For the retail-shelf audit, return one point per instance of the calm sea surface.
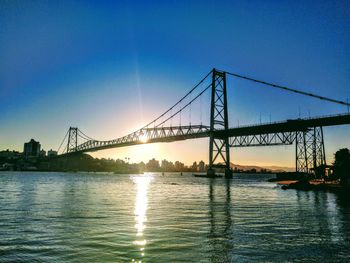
(87, 217)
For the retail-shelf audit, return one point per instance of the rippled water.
(85, 217)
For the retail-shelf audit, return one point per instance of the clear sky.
(108, 67)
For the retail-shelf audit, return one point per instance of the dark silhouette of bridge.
(306, 133)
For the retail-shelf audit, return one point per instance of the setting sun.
(143, 138)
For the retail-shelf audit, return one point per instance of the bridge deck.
(286, 126)
(178, 133)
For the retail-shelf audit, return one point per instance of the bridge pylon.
(310, 152)
(72, 139)
(219, 147)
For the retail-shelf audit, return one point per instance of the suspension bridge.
(305, 133)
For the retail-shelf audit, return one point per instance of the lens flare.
(143, 138)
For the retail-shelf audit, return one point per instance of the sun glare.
(143, 138)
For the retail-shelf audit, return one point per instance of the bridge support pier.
(219, 148)
(310, 152)
(72, 139)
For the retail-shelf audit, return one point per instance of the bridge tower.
(219, 148)
(72, 139)
(310, 152)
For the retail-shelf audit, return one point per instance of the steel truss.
(148, 135)
(310, 152)
(269, 139)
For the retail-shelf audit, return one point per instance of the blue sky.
(108, 67)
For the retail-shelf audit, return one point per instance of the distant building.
(167, 166)
(42, 153)
(201, 166)
(51, 153)
(9, 154)
(153, 165)
(179, 166)
(31, 149)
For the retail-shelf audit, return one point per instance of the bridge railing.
(281, 122)
(172, 133)
(148, 135)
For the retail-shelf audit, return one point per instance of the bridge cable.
(88, 137)
(59, 148)
(171, 120)
(200, 108)
(84, 138)
(180, 116)
(65, 148)
(289, 89)
(179, 111)
(190, 111)
(196, 86)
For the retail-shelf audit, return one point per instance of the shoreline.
(316, 184)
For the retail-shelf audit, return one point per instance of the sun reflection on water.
(142, 183)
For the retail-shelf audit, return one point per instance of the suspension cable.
(84, 138)
(188, 93)
(190, 111)
(199, 94)
(289, 89)
(59, 148)
(200, 108)
(87, 137)
(65, 148)
(180, 117)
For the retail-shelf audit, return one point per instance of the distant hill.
(280, 168)
(273, 168)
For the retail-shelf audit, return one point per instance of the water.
(86, 217)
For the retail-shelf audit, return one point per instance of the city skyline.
(17, 160)
(105, 71)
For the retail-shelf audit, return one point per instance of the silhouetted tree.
(342, 165)
(194, 167)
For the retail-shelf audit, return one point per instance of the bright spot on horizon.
(143, 138)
